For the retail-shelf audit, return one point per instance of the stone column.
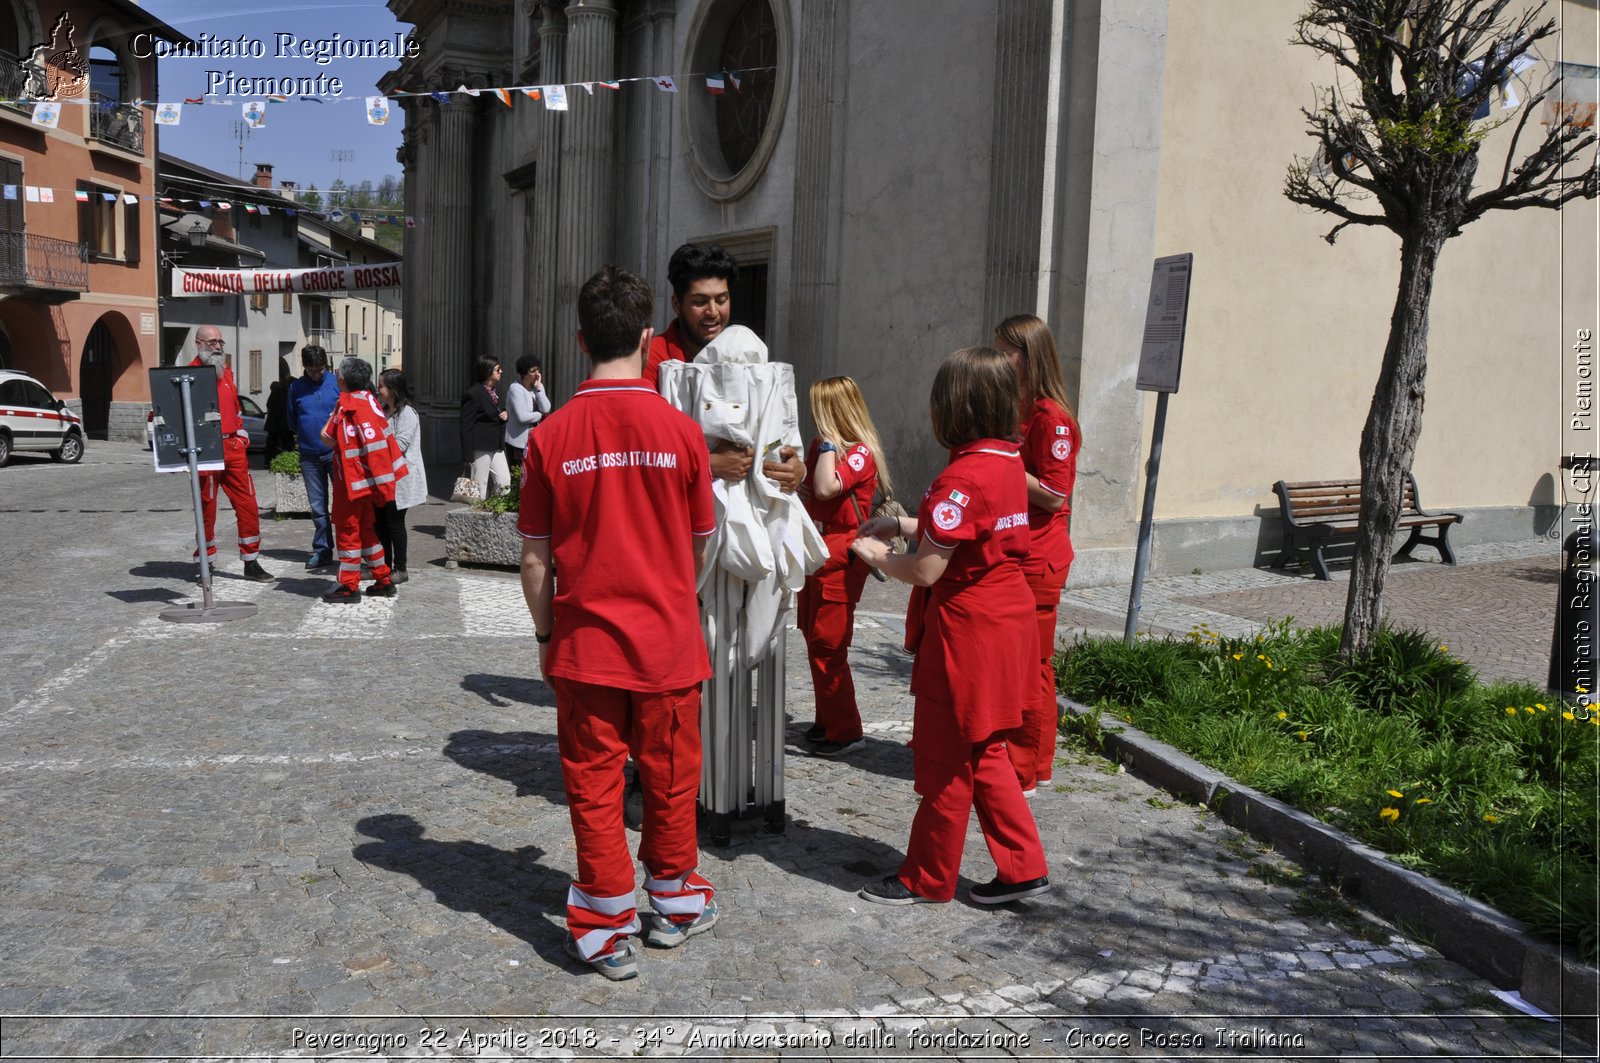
(543, 331)
(819, 178)
(449, 266)
(587, 185)
(1116, 56)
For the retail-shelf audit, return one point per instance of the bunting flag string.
(46, 194)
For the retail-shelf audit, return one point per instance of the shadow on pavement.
(183, 570)
(502, 690)
(305, 586)
(146, 596)
(527, 759)
(508, 887)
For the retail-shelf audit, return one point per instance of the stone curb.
(1480, 938)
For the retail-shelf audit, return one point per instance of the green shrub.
(286, 463)
(508, 500)
(1488, 786)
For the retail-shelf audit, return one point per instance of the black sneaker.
(890, 890)
(342, 594)
(254, 571)
(837, 749)
(996, 892)
(381, 590)
(815, 733)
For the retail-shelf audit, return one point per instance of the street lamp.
(197, 234)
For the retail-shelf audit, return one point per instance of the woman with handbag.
(1050, 443)
(971, 625)
(482, 418)
(844, 468)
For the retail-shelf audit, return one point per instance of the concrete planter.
(290, 494)
(478, 537)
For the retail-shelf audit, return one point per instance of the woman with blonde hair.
(1050, 443)
(970, 625)
(844, 469)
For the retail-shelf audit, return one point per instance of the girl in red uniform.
(1050, 443)
(971, 625)
(844, 467)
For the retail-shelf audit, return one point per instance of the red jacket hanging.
(367, 457)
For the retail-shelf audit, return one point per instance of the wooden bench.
(1318, 510)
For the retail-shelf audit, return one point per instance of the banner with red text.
(329, 281)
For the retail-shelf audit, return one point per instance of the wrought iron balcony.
(42, 263)
(13, 82)
(329, 340)
(118, 125)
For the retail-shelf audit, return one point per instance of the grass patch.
(1487, 786)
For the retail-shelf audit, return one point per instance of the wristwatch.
(541, 639)
(826, 448)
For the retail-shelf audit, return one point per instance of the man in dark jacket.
(311, 401)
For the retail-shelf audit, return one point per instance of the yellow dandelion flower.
(1303, 736)
(1238, 656)
(1510, 711)
(1394, 793)
(1444, 649)
(1389, 813)
(1424, 801)
(1528, 709)
(1568, 716)
(1541, 708)
(1284, 715)
(1261, 656)
(1491, 818)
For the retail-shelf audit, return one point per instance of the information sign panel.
(1166, 315)
(167, 436)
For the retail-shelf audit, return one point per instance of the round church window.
(733, 127)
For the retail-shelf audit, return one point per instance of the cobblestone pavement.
(337, 831)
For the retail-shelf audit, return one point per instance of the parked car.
(250, 412)
(33, 419)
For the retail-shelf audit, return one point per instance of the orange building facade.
(78, 254)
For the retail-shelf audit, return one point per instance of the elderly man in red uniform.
(235, 475)
(616, 500)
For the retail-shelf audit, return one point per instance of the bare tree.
(1397, 146)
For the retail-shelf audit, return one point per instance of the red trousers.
(1032, 746)
(235, 480)
(355, 536)
(597, 728)
(828, 628)
(952, 780)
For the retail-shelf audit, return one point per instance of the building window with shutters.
(288, 302)
(255, 371)
(258, 300)
(108, 225)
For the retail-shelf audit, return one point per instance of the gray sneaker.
(620, 964)
(665, 934)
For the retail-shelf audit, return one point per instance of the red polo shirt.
(977, 656)
(1050, 453)
(620, 484)
(841, 581)
(664, 347)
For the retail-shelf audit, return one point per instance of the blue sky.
(298, 137)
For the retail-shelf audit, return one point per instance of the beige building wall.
(1286, 334)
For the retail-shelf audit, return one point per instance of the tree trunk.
(1389, 440)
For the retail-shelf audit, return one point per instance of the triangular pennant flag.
(47, 113)
(129, 198)
(715, 85)
(555, 97)
(205, 204)
(224, 206)
(277, 99)
(250, 208)
(505, 96)
(168, 113)
(310, 99)
(442, 97)
(109, 197)
(733, 77)
(588, 86)
(81, 196)
(614, 86)
(255, 114)
(377, 110)
(532, 94)
(265, 209)
(666, 85)
(468, 91)
(194, 99)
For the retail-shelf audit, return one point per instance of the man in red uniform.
(367, 460)
(616, 498)
(702, 307)
(235, 475)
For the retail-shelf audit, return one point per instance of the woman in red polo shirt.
(844, 468)
(971, 625)
(1050, 443)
